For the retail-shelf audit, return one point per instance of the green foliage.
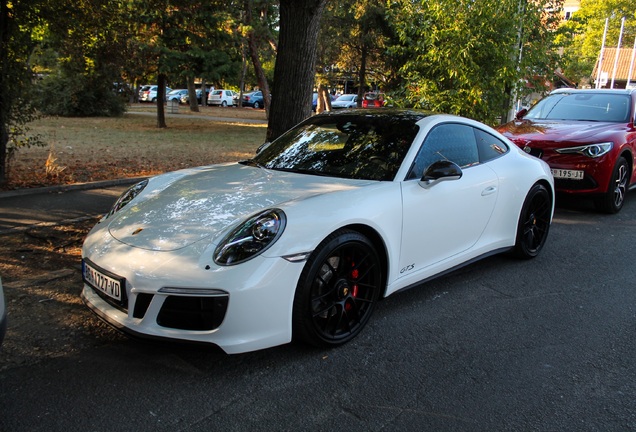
(463, 56)
(79, 96)
(582, 35)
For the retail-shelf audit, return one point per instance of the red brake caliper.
(354, 288)
(354, 275)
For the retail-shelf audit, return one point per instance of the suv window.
(599, 106)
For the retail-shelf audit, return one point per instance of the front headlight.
(590, 150)
(127, 197)
(251, 238)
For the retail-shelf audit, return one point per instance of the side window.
(489, 146)
(450, 141)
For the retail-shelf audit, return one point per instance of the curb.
(71, 187)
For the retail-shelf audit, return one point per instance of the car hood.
(178, 209)
(567, 132)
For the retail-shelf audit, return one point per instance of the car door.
(447, 218)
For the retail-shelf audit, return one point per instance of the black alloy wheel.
(534, 222)
(612, 201)
(337, 290)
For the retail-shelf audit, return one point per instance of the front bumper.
(239, 308)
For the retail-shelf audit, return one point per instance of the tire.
(337, 290)
(223, 104)
(153, 100)
(612, 201)
(534, 222)
(257, 105)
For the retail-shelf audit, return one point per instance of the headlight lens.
(590, 150)
(127, 197)
(251, 238)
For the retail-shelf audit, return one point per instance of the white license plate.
(106, 282)
(568, 174)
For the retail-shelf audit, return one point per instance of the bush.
(78, 96)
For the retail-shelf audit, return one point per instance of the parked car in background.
(588, 139)
(221, 98)
(177, 95)
(185, 99)
(150, 95)
(253, 99)
(143, 89)
(293, 244)
(345, 101)
(3, 314)
(373, 100)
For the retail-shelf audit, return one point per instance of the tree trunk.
(252, 44)
(192, 95)
(324, 100)
(295, 64)
(362, 76)
(5, 102)
(161, 96)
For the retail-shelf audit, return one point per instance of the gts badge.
(408, 268)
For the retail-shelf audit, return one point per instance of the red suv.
(587, 137)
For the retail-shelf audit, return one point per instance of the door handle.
(489, 190)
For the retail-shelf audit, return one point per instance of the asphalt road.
(502, 345)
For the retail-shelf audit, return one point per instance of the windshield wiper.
(252, 163)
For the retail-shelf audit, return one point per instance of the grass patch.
(90, 149)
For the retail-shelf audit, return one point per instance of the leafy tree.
(582, 35)
(354, 35)
(87, 39)
(260, 18)
(17, 19)
(464, 56)
(295, 64)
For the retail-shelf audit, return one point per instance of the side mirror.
(440, 171)
(521, 114)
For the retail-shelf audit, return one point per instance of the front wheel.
(612, 201)
(534, 222)
(337, 290)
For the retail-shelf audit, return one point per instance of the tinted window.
(451, 141)
(360, 147)
(489, 146)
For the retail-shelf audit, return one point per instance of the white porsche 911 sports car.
(301, 241)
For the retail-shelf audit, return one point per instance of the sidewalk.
(54, 205)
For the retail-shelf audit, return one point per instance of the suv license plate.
(567, 174)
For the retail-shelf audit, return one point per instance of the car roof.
(395, 113)
(612, 91)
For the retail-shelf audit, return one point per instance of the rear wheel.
(534, 222)
(612, 201)
(223, 104)
(257, 105)
(337, 290)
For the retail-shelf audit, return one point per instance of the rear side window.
(489, 146)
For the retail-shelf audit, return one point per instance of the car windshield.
(357, 147)
(604, 107)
